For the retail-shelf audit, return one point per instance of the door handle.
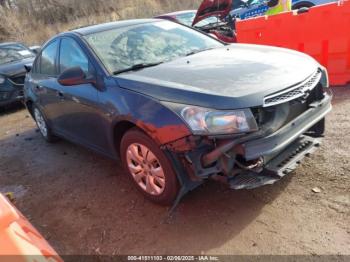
(60, 95)
(39, 88)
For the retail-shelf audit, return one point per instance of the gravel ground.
(84, 204)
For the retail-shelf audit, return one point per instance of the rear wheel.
(149, 168)
(42, 125)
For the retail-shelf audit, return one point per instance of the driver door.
(78, 118)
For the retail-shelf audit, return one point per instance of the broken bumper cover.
(279, 152)
(277, 168)
(270, 145)
(283, 150)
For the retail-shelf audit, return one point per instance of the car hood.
(218, 8)
(15, 68)
(234, 76)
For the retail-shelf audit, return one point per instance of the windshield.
(14, 52)
(123, 48)
(187, 19)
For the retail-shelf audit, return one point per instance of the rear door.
(43, 81)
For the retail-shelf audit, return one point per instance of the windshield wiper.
(197, 51)
(136, 67)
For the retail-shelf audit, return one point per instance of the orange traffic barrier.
(323, 32)
(19, 240)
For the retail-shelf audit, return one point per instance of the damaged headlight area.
(205, 121)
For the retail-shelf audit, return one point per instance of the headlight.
(206, 121)
(2, 80)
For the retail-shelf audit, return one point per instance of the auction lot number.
(172, 258)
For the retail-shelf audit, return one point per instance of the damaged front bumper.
(284, 163)
(267, 157)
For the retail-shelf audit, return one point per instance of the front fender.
(156, 120)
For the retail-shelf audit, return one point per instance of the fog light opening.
(255, 165)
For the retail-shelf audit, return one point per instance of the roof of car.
(10, 43)
(178, 13)
(112, 25)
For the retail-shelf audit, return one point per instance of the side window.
(36, 66)
(71, 55)
(48, 59)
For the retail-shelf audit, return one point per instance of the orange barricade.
(323, 32)
(19, 240)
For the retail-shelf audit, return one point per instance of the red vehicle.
(212, 17)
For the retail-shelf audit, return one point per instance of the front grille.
(274, 117)
(301, 90)
(18, 80)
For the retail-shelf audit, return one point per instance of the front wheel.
(318, 129)
(149, 168)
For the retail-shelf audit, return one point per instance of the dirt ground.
(84, 204)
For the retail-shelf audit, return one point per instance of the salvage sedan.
(178, 107)
(13, 58)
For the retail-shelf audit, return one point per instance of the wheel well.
(302, 4)
(119, 131)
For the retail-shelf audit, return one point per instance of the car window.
(48, 59)
(256, 2)
(71, 55)
(36, 66)
(162, 41)
(208, 21)
(186, 18)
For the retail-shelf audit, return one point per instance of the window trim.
(35, 65)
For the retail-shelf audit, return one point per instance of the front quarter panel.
(159, 122)
(29, 94)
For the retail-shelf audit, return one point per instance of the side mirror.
(74, 76)
(28, 68)
(35, 49)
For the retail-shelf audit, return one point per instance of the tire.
(43, 126)
(318, 129)
(149, 168)
(302, 5)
